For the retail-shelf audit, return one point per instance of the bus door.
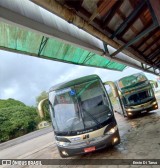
(114, 96)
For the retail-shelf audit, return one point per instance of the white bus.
(82, 116)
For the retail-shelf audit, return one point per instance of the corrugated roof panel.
(22, 40)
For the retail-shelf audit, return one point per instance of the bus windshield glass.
(79, 107)
(139, 97)
(131, 81)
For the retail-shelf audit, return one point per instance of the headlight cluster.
(154, 103)
(60, 143)
(112, 131)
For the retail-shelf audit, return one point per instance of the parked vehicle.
(82, 116)
(136, 95)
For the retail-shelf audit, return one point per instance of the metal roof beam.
(149, 67)
(128, 19)
(148, 37)
(156, 59)
(143, 9)
(143, 66)
(111, 13)
(154, 6)
(68, 15)
(104, 7)
(73, 4)
(42, 45)
(154, 54)
(151, 44)
(134, 40)
(158, 64)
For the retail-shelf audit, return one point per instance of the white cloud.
(9, 92)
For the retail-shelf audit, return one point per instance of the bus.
(136, 95)
(82, 116)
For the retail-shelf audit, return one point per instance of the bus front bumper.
(68, 151)
(144, 109)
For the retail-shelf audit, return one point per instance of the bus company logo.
(86, 136)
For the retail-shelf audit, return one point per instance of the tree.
(10, 102)
(16, 119)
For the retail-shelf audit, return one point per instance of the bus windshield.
(79, 107)
(131, 81)
(139, 97)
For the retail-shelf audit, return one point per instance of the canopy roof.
(28, 42)
(29, 29)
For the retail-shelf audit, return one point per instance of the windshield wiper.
(93, 118)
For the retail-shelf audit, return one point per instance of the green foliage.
(16, 119)
(10, 102)
(42, 96)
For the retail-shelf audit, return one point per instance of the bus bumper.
(136, 111)
(111, 140)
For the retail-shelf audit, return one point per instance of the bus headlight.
(60, 143)
(64, 153)
(129, 109)
(154, 103)
(112, 130)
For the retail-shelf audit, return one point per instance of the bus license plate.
(90, 149)
(144, 111)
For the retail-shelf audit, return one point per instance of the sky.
(24, 77)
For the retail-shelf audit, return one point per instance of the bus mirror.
(153, 83)
(156, 85)
(113, 87)
(40, 108)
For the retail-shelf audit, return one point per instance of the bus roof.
(130, 80)
(74, 82)
(135, 74)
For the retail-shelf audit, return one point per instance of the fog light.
(115, 140)
(155, 106)
(65, 153)
(129, 113)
